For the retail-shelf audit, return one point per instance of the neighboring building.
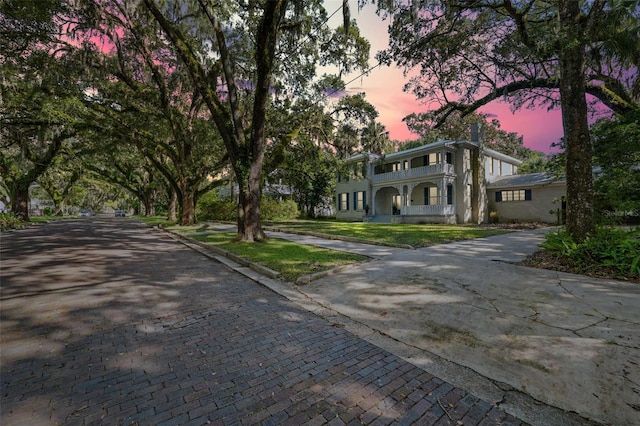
(535, 197)
(442, 182)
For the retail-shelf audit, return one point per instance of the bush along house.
(444, 182)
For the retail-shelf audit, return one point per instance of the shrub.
(9, 221)
(210, 207)
(494, 217)
(606, 249)
(278, 210)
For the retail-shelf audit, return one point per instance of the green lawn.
(42, 219)
(292, 260)
(413, 235)
(155, 220)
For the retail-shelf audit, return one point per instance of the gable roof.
(530, 179)
(488, 152)
(429, 147)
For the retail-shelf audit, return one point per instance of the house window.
(491, 169)
(343, 201)
(396, 167)
(449, 194)
(429, 159)
(449, 158)
(359, 200)
(514, 195)
(431, 196)
(396, 204)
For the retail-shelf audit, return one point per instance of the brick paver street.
(107, 322)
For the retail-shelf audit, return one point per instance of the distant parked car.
(86, 213)
(120, 213)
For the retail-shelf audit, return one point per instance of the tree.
(457, 127)
(59, 179)
(535, 162)
(310, 136)
(123, 165)
(238, 55)
(617, 154)
(375, 138)
(40, 113)
(144, 97)
(472, 52)
(299, 160)
(39, 106)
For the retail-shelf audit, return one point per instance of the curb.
(263, 270)
(306, 279)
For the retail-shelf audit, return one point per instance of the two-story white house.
(440, 182)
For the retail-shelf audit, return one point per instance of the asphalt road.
(105, 321)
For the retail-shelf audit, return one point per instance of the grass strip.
(291, 259)
(155, 220)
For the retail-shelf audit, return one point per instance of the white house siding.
(497, 165)
(538, 209)
(456, 170)
(352, 212)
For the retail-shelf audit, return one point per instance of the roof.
(488, 152)
(426, 147)
(530, 179)
(451, 144)
(403, 153)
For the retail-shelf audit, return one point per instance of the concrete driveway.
(569, 341)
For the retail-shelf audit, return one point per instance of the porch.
(418, 214)
(413, 173)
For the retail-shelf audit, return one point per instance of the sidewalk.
(513, 335)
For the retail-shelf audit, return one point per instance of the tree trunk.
(580, 220)
(188, 207)
(249, 222)
(149, 206)
(173, 202)
(20, 201)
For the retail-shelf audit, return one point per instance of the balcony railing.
(433, 210)
(415, 173)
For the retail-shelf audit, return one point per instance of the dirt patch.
(517, 226)
(445, 333)
(553, 262)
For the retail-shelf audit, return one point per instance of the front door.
(396, 204)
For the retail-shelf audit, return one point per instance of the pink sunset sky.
(383, 88)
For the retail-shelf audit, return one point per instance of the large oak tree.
(239, 56)
(39, 91)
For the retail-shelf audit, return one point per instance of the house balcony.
(432, 210)
(414, 173)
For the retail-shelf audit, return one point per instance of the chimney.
(476, 133)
